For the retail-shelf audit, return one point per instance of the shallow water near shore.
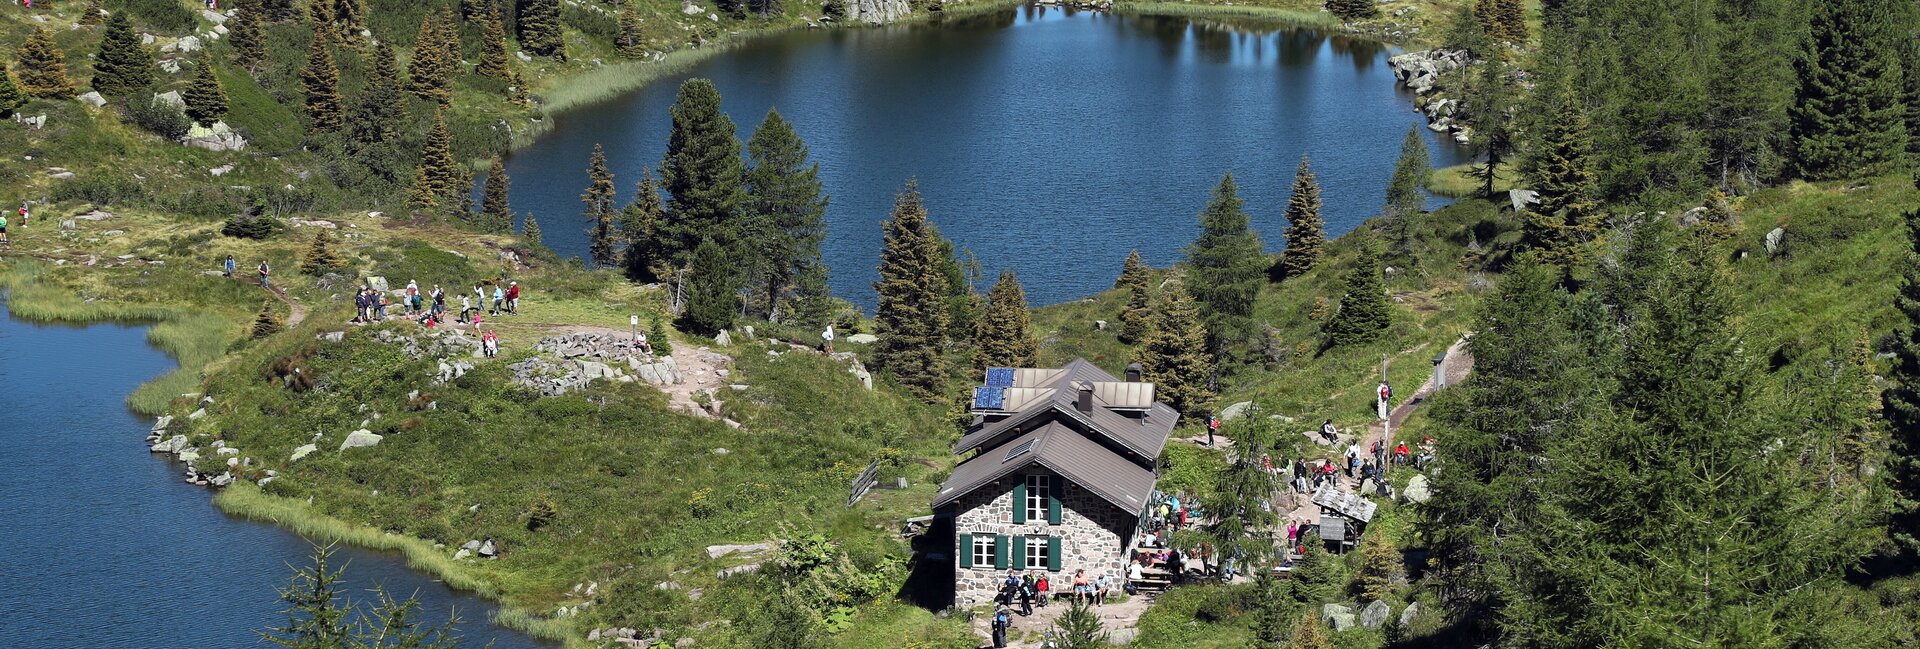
(103, 545)
(1045, 140)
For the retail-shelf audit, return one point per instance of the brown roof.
(1109, 475)
(1144, 436)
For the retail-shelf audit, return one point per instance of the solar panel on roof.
(1020, 450)
(999, 377)
(989, 398)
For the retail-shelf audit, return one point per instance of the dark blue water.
(103, 545)
(1047, 141)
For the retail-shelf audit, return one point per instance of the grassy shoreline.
(1294, 17)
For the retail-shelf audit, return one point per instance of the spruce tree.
(1489, 109)
(603, 243)
(317, 613)
(640, 224)
(321, 257)
(1079, 627)
(437, 177)
(430, 72)
(493, 48)
(496, 210)
(371, 137)
(1404, 197)
(278, 11)
(1364, 313)
(1242, 523)
(42, 70)
(713, 295)
(702, 172)
(813, 300)
(540, 28)
(1351, 10)
(630, 43)
(1173, 355)
(1751, 90)
(246, 35)
(1306, 233)
(123, 66)
(266, 324)
(206, 100)
(1560, 169)
(911, 317)
(657, 336)
(349, 17)
(320, 16)
(1512, 17)
(1316, 574)
(1226, 265)
(1137, 315)
(1004, 335)
(11, 99)
(320, 84)
(94, 14)
(530, 231)
(1380, 569)
(786, 208)
(1901, 401)
(1308, 634)
(1849, 120)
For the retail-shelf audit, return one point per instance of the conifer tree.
(1173, 355)
(1004, 335)
(493, 48)
(640, 224)
(371, 138)
(530, 231)
(245, 34)
(42, 70)
(1489, 109)
(1568, 214)
(1351, 10)
(1079, 627)
(1512, 17)
(812, 298)
(1226, 264)
(603, 240)
(1487, 14)
(349, 17)
(1901, 401)
(713, 296)
(1380, 570)
(1751, 90)
(123, 66)
(11, 99)
(496, 210)
(1404, 198)
(437, 177)
(911, 317)
(657, 336)
(206, 100)
(94, 14)
(1242, 522)
(630, 42)
(278, 11)
(321, 257)
(316, 615)
(1364, 313)
(1315, 575)
(320, 15)
(320, 83)
(1308, 634)
(1849, 119)
(786, 208)
(430, 72)
(266, 324)
(702, 172)
(1137, 315)
(1306, 232)
(540, 28)
(1274, 610)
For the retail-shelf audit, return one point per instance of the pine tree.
(1512, 17)
(496, 210)
(640, 224)
(540, 28)
(1308, 634)
(266, 324)
(1225, 264)
(630, 43)
(437, 177)
(713, 297)
(786, 207)
(123, 66)
(1381, 570)
(1850, 120)
(657, 336)
(911, 317)
(320, 83)
(1137, 315)
(1568, 215)
(246, 36)
(430, 72)
(350, 18)
(317, 615)
(1404, 198)
(371, 138)
(1901, 401)
(321, 257)
(603, 244)
(1306, 233)
(206, 100)
(530, 231)
(1242, 522)
(1364, 313)
(1004, 334)
(1079, 627)
(94, 14)
(702, 172)
(320, 15)
(1173, 355)
(42, 70)
(493, 48)
(11, 99)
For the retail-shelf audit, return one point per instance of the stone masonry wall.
(1093, 535)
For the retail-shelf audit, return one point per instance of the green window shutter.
(966, 550)
(1053, 554)
(1020, 502)
(1000, 551)
(1053, 508)
(1019, 557)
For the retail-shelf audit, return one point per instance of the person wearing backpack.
(264, 272)
(229, 266)
(1026, 594)
(1002, 620)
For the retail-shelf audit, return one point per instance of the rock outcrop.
(878, 12)
(218, 137)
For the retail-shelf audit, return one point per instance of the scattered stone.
(360, 438)
(197, 414)
(523, 57)
(717, 551)
(1412, 611)
(92, 98)
(36, 122)
(1235, 411)
(721, 451)
(161, 424)
(303, 451)
(862, 339)
(214, 17)
(176, 444)
(218, 137)
(1775, 237)
(723, 339)
(170, 99)
(332, 336)
(220, 170)
(1417, 490)
(170, 66)
(462, 554)
(94, 215)
(487, 550)
(747, 330)
(1375, 614)
(740, 570)
(115, 233)
(1100, 325)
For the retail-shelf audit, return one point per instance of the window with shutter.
(1039, 496)
(1053, 508)
(968, 551)
(1039, 553)
(1020, 503)
(1053, 553)
(1019, 555)
(1000, 552)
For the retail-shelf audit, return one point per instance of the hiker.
(641, 343)
(499, 297)
(1135, 573)
(1328, 432)
(23, 214)
(513, 297)
(228, 267)
(1026, 595)
(826, 340)
(3, 230)
(1041, 589)
(1002, 620)
(439, 300)
(1100, 586)
(466, 308)
(1213, 426)
(1082, 589)
(490, 344)
(479, 298)
(380, 305)
(1400, 453)
(264, 272)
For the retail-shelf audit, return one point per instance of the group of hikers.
(429, 307)
(3, 223)
(1030, 589)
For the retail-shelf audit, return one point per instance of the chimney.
(1133, 372)
(1085, 401)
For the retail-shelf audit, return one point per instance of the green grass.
(1459, 181)
(1291, 16)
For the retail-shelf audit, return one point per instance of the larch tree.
(1849, 119)
(1225, 266)
(639, 225)
(1308, 634)
(1004, 335)
(1901, 400)
(320, 84)
(11, 98)
(702, 172)
(603, 239)
(1173, 355)
(246, 36)
(206, 100)
(540, 32)
(1490, 110)
(1381, 569)
(437, 175)
(123, 66)
(1364, 313)
(713, 293)
(1306, 234)
(493, 48)
(911, 317)
(496, 211)
(430, 72)
(1137, 315)
(42, 69)
(786, 210)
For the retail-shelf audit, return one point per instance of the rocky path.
(704, 371)
(1117, 618)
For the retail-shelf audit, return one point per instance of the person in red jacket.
(513, 297)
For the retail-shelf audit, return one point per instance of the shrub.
(159, 15)
(103, 190)
(251, 225)
(157, 118)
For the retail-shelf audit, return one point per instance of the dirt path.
(1029, 631)
(701, 369)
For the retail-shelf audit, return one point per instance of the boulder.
(862, 339)
(1340, 622)
(196, 414)
(471, 545)
(487, 550)
(377, 283)
(214, 17)
(1235, 411)
(723, 339)
(878, 12)
(220, 170)
(170, 99)
(1775, 238)
(332, 336)
(174, 444)
(218, 137)
(1417, 490)
(740, 570)
(524, 58)
(1330, 610)
(1412, 611)
(187, 44)
(359, 439)
(162, 423)
(94, 215)
(93, 99)
(1375, 614)
(170, 66)
(747, 330)
(717, 551)
(462, 553)
(595, 370)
